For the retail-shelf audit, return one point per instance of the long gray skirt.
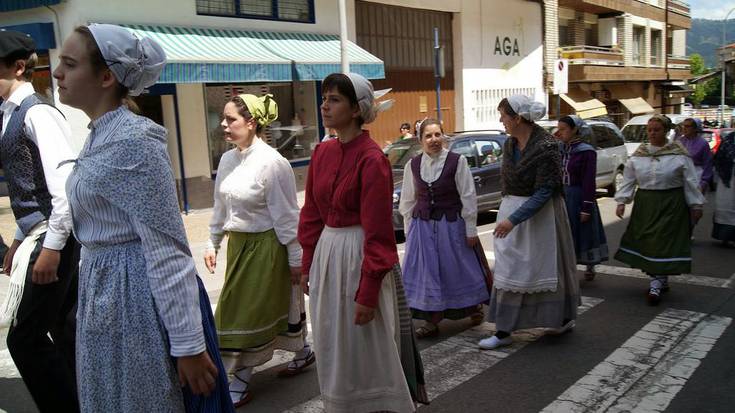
(512, 311)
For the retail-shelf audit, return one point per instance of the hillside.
(706, 35)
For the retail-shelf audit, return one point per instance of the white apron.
(525, 260)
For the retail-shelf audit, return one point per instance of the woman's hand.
(305, 283)
(620, 211)
(503, 228)
(695, 214)
(198, 372)
(473, 241)
(584, 217)
(363, 314)
(210, 260)
(295, 275)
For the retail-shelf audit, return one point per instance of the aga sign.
(506, 46)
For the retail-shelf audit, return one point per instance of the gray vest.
(30, 199)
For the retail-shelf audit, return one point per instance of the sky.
(711, 9)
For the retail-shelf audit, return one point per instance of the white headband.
(527, 108)
(135, 62)
(366, 97)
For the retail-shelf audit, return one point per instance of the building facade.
(220, 48)
(625, 57)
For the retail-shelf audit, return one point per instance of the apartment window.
(564, 36)
(638, 39)
(286, 10)
(656, 48)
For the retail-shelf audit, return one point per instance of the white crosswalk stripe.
(457, 359)
(649, 369)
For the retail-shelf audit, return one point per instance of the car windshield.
(635, 133)
(401, 152)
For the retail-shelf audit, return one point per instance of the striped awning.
(200, 55)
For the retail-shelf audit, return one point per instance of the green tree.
(696, 63)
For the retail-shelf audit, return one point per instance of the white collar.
(439, 156)
(15, 99)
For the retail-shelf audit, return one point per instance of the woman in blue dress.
(145, 331)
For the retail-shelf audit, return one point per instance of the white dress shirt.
(664, 172)
(48, 129)
(431, 169)
(255, 191)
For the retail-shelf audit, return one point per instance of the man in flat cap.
(43, 260)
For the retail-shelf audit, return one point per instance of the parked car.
(714, 137)
(634, 131)
(483, 151)
(611, 151)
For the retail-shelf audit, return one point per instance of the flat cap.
(12, 42)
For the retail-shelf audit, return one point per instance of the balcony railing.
(678, 6)
(678, 62)
(592, 55)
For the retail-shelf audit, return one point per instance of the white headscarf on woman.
(135, 62)
(366, 97)
(527, 108)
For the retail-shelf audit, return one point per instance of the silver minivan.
(611, 152)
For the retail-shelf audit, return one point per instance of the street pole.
(437, 75)
(724, 70)
(344, 58)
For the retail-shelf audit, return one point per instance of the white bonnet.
(135, 62)
(527, 108)
(366, 97)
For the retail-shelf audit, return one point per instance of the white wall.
(679, 43)
(489, 74)
(193, 123)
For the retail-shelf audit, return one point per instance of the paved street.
(623, 355)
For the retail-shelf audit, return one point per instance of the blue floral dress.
(140, 301)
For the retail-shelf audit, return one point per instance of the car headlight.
(396, 198)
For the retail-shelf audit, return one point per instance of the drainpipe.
(180, 144)
(344, 58)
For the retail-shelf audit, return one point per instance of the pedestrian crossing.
(644, 374)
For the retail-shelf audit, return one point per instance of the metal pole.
(437, 77)
(344, 58)
(724, 70)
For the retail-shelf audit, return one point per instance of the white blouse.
(255, 191)
(431, 169)
(663, 172)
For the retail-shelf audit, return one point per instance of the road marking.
(457, 359)
(649, 369)
(690, 279)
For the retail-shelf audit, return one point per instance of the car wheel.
(616, 183)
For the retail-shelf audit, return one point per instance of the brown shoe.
(294, 367)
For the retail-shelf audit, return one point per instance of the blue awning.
(12, 5)
(41, 33)
(203, 55)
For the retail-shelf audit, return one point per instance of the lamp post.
(344, 59)
(724, 70)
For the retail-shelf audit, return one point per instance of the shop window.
(294, 133)
(287, 10)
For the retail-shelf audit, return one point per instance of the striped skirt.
(259, 309)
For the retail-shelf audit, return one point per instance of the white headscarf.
(135, 62)
(366, 97)
(527, 108)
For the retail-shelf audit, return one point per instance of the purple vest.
(439, 198)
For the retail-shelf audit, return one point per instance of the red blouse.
(351, 184)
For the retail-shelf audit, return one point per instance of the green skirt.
(257, 298)
(657, 240)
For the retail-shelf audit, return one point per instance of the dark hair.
(504, 105)
(242, 109)
(31, 60)
(343, 85)
(99, 64)
(429, 122)
(569, 121)
(405, 125)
